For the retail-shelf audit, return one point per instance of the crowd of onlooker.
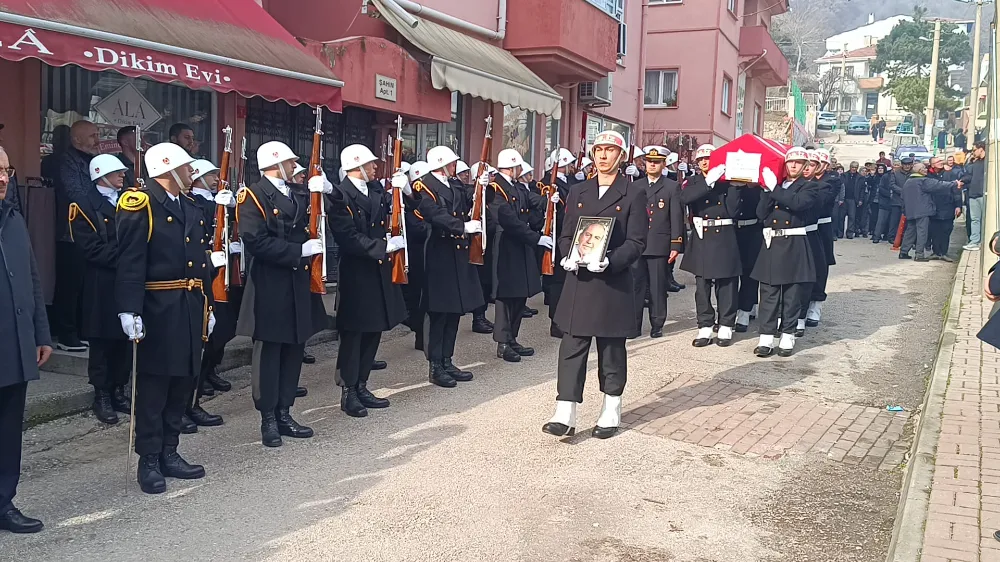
(931, 194)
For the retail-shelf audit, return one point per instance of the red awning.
(225, 45)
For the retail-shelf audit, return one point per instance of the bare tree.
(801, 33)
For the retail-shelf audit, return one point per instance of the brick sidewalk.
(964, 505)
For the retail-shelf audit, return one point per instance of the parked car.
(826, 120)
(909, 145)
(906, 127)
(858, 125)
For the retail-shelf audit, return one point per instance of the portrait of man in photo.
(591, 240)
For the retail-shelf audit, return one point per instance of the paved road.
(726, 457)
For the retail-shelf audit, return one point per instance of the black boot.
(308, 358)
(206, 387)
(269, 435)
(532, 311)
(350, 404)
(521, 350)
(219, 383)
(174, 466)
(454, 372)
(369, 400)
(103, 408)
(187, 426)
(301, 392)
(120, 401)
(291, 428)
(149, 476)
(656, 332)
(554, 331)
(675, 287)
(16, 522)
(418, 341)
(507, 353)
(481, 325)
(379, 365)
(199, 416)
(437, 375)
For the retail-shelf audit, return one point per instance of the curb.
(914, 497)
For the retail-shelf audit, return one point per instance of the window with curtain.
(660, 88)
(727, 95)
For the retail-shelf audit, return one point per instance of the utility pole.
(929, 116)
(970, 135)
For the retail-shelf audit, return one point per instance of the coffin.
(747, 156)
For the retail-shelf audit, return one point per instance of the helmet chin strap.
(281, 170)
(180, 184)
(364, 174)
(204, 184)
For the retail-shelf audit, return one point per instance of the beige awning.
(470, 66)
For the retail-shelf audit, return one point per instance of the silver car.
(826, 120)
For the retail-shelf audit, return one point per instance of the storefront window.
(518, 129)
(410, 152)
(551, 135)
(70, 93)
(451, 133)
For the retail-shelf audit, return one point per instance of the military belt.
(185, 285)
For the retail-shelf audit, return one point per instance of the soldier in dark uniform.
(369, 301)
(563, 160)
(831, 184)
(92, 228)
(416, 238)
(161, 289)
(516, 276)
(809, 172)
(664, 242)
(750, 238)
(598, 299)
(480, 323)
(785, 266)
(452, 284)
(278, 310)
(714, 254)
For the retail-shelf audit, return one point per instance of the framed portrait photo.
(590, 241)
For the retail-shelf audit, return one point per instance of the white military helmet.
(796, 153)
(812, 155)
(440, 156)
(164, 158)
(461, 167)
(509, 158)
(404, 166)
(417, 170)
(104, 164)
(273, 152)
(823, 155)
(548, 163)
(609, 138)
(671, 159)
(299, 168)
(202, 168)
(585, 162)
(525, 170)
(355, 156)
(704, 151)
(564, 158)
(636, 151)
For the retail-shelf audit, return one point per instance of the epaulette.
(241, 196)
(498, 189)
(419, 186)
(76, 211)
(135, 200)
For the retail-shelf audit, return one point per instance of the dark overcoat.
(789, 259)
(23, 323)
(666, 217)
(158, 242)
(277, 304)
(93, 228)
(515, 264)
(369, 301)
(831, 184)
(715, 255)
(451, 282)
(604, 304)
(749, 236)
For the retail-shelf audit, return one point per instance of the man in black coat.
(854, 199)
(451, 286)
(786, 264)
(831, 186)
(918, 205)
(947, 207)
(564, 159)
(480, 324)
(416, 239)
(370, 303)
(278, 309)
(869, 212)
(598, 299)
(713, 255)
(93, 228)
(25, 345)
(664, 242)
(890, 201)
(515, 266)
(163, 300)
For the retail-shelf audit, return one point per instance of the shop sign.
(385, 88)
(126, 107)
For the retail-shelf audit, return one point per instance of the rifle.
(548, 256)
(397, 225)
(220, 241)
(583, 145)
(317, 211)
(236, 278)
(477, 246)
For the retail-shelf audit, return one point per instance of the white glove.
(568, 264)
(225, 198)
(770, 181)
(580, 176)
(598, 267)
(394, 243)
(312, 247)
(319, 184)
(131, 325)
(682, 166)
(399, 181)
(235, 247)
(546, 242)
(473, 227)
(555, 197)
(218, 259)
(714, 174)
(211, 322)
(631, 170)
(484, 179)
